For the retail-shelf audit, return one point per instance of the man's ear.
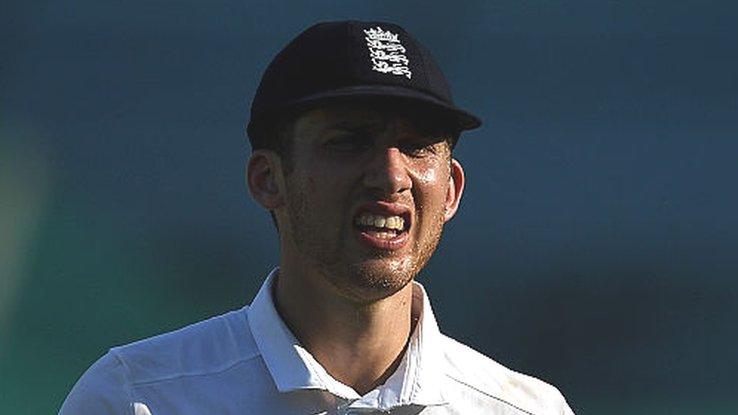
(455, 190)
(264, 179)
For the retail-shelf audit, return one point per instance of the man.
(352, 129)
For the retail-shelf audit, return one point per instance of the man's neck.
(358, 344)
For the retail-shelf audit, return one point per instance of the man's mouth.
(382, 226)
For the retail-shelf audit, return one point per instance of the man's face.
(367, 197)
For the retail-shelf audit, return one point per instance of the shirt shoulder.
(103, 389)
(208, 346)
(483, 376)
(109, 386)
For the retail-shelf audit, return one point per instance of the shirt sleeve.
(102, 390)
(565, 408)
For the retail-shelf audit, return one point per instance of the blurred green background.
(595, 247)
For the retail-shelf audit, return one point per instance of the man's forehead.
(346, 115)
(376, 115)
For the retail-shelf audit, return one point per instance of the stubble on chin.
(365, 281)
(379, 278)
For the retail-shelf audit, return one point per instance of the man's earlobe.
(455, 190)
(263, 179)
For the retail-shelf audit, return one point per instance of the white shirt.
(248, 362)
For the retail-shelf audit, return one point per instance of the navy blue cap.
(354, 60)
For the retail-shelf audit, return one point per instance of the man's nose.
(386, 173)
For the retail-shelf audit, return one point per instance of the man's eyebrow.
(354, 125)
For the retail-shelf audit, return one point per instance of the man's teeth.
(389, 222)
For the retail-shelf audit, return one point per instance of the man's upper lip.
(385, 209)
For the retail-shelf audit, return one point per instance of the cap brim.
(461, 119)
(464, 120)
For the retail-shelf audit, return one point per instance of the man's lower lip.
(389, 244)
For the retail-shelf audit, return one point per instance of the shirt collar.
(417, 380)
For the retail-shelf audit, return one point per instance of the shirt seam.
(127, 386)
(195, 374)
(489, 395)
(414, 361)
(416, 358)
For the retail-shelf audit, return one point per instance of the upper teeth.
(390, 222)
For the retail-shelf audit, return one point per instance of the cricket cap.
(354, 60)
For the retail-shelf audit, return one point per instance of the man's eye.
(417, 148)
(347, 144)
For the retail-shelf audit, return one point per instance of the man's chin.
(372, 280)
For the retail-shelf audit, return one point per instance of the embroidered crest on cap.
(387, 53)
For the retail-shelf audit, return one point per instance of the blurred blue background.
(595, 247)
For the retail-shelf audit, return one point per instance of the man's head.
(365, 197)
(360, 178)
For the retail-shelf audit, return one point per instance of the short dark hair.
(275, 134)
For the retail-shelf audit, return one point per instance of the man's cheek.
(426, 175)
